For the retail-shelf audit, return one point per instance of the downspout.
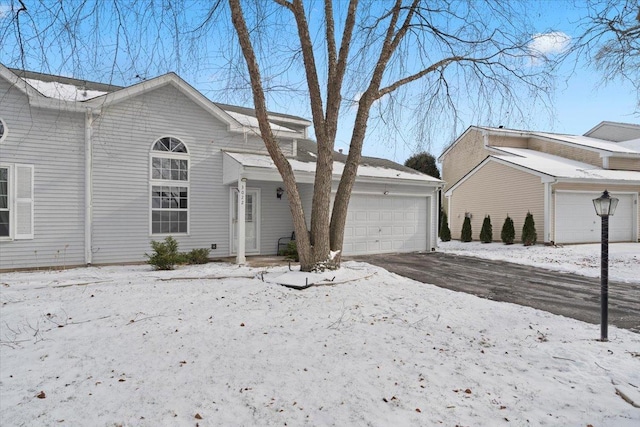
(88, 186)
(485, 138)
(547, 210)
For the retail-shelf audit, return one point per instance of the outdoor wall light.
(279, 192)
(605, 206)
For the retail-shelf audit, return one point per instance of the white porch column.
(242, 204)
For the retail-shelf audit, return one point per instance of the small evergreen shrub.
(445, 232)
(165, 254)
(291, 251)
(529, 235)
(197, 256)
(465, 235)
(508, 233)
(486, 233)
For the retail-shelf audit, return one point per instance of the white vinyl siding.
(122, 140)
(51, 144)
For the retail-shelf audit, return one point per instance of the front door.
(252, 220)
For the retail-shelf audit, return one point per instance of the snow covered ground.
(624, 258)
(215, 345)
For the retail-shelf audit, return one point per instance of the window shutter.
(24, 202)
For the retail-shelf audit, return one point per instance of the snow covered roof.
(264, 161)
(252, 122)
(560, 167)
(66, 92)
(633, 144)
(305, 162)
(588, 142)
(77, 90)
(601, 146)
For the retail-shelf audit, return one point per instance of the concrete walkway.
(559, 293)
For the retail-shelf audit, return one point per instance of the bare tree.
(374, 59)
(609, 38)
(400, 43)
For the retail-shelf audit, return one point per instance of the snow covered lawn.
(215, 345)
(624, 258)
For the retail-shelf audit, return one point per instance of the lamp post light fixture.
(605, 206)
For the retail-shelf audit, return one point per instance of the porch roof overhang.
(260, 167)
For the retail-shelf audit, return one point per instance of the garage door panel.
(386, 231)
(577, 222)
(360, 231)
(379, 224)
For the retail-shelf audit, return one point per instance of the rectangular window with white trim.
(16, 202)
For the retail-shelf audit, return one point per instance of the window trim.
(169, 183)
(15, 203)
(5, 130)
(10, 203)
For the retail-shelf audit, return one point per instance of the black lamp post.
(605, 206)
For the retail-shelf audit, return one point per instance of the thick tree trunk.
(295, 203)
(343, 195)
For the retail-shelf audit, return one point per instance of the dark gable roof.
(307, 150)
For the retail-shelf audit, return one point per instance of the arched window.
(3, 130)
(169, 187)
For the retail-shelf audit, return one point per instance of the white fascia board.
(382, 180)
(597, 181)
(61, 105)
(304, 177)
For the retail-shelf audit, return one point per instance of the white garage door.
(577, 222)
(380, 224)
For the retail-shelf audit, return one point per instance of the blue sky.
(579, 101)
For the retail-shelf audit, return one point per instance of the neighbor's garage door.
(577, 222)
(379, 224)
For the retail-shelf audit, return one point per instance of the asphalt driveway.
(559, 293)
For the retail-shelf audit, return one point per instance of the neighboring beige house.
(497, 171)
